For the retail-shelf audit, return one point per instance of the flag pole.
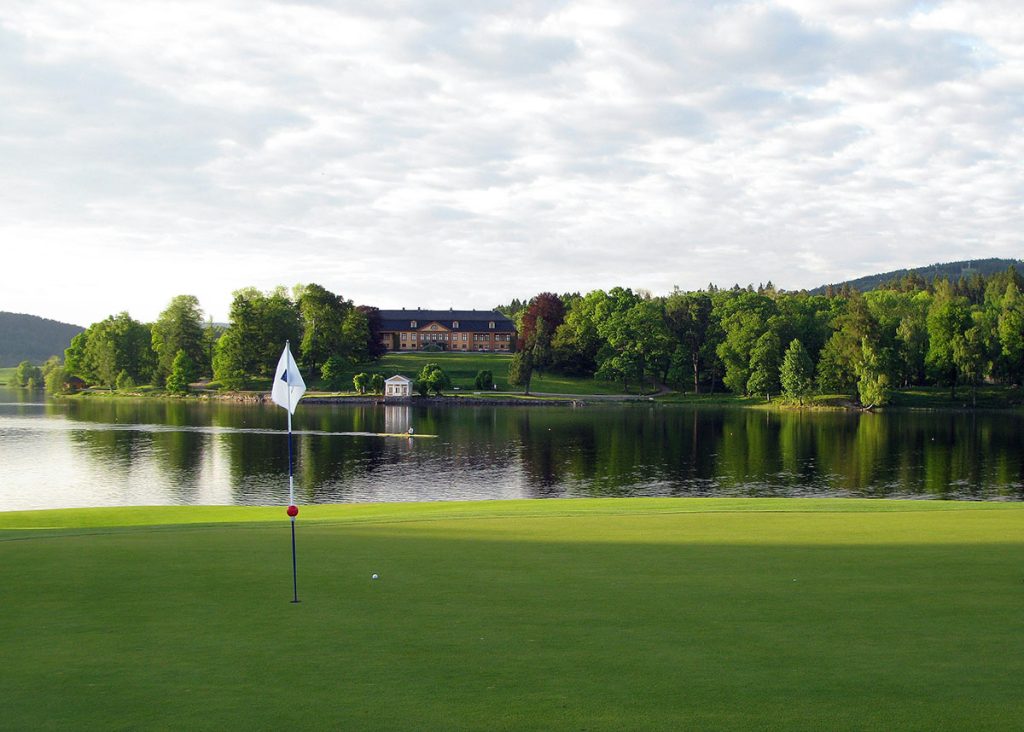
(292, 508)
(287, 378)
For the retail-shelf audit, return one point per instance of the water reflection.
(117, 452)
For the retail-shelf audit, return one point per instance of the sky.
(459, 154)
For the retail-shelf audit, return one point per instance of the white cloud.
(443, 153)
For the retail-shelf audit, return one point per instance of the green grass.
(602, 614)
(938, 397)
(463, 368)
(7, 373)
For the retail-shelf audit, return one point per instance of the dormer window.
(412, 324)
(491, 325)
(455, 324)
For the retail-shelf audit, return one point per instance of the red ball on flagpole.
(293, 511)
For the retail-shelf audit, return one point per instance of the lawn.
(463, 368)
(603, 614)
(989, 396)
(7, 373)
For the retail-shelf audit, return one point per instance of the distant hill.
(31, 338)
(946, 270)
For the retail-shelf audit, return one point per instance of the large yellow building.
(451, 330)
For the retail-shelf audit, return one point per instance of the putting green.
(576, 614)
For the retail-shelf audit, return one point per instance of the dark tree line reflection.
(547, 452)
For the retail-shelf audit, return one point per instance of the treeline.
(765, 341)
(951, 271)
(327, 332)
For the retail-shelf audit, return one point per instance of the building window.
(491, 325)
(412, 324)
(455, 324)
(403, 336)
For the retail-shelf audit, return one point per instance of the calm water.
(132, 452)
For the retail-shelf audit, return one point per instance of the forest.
(759, 341)
(765, 341)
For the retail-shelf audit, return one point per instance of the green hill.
(945, 270)
(31, 338)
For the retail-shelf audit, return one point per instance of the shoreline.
(506, 399)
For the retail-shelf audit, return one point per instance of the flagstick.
(291, 496)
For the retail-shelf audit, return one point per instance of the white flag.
(288, 384)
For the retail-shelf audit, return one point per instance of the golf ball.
(374, 576)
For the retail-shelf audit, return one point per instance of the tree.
(323, 318)
(688, 316)
(484, 380)
(25, 373)
(75, 361)
(576, 342)
(377, 383)
(434, 378)
(764, 366)
(841, 357)
(211, 334)
(948, 317)
(124, 381)
(375, 348)
(53, 362)
(56, 380)
(279, 322)
(183, 372)
(636, 338)
(333, 373)
(1010, 326)
(744, 316)
(546, 307)
(797, 373)
(110, 346)
(901, 332)
(520, 371)
(873, 384)
(260, 324)
(355, 331)
(179, 328)
(969, 354)
(360, 381)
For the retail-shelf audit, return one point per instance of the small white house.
(398, 386)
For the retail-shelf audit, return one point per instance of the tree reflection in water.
(222, 452)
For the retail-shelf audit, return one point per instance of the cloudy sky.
(458, 154)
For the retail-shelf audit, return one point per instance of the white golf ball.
(374, 576)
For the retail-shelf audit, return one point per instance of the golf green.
(610, 614)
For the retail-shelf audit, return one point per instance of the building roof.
(469, 320)
(398, 378)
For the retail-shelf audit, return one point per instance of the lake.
(119, 452)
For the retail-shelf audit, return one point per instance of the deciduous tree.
(764, 366)
(179, 328)
(183, 372)
(796, 374)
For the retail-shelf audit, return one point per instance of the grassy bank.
(576, 614)
(463, 368)
(6, 374)
(939, 397)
